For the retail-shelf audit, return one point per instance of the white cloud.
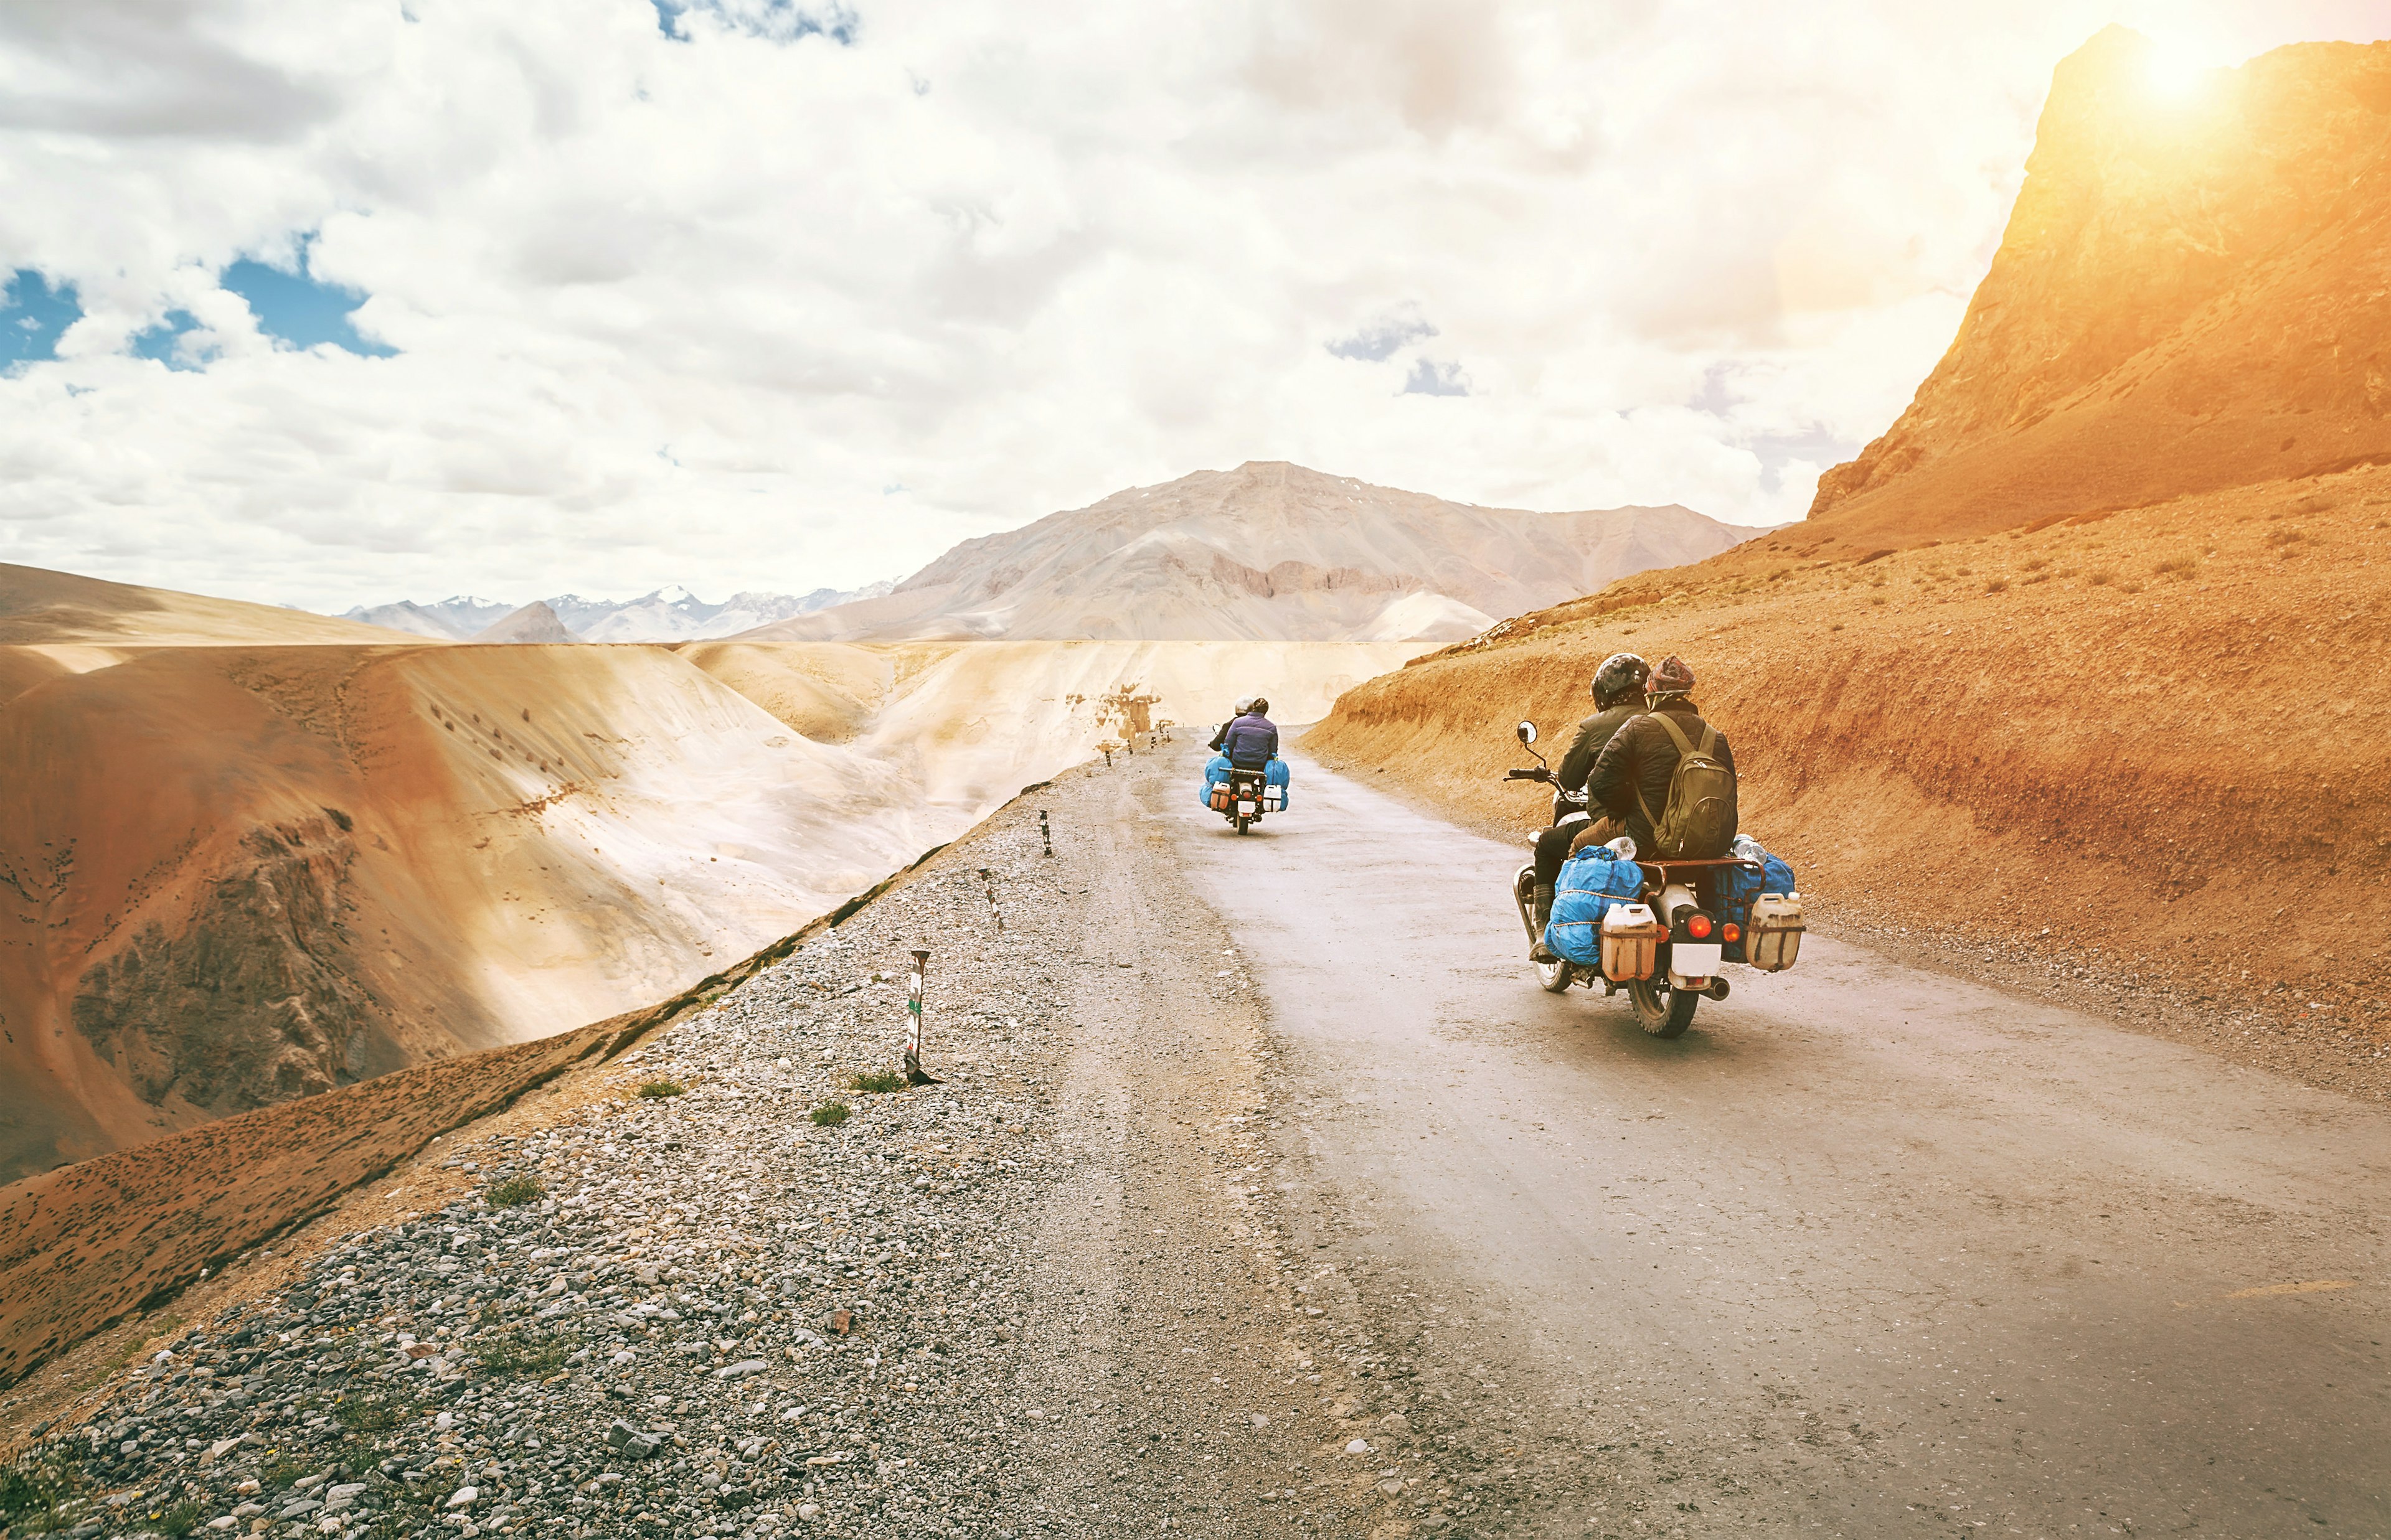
(687, 307)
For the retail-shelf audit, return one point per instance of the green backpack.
(1699, 822)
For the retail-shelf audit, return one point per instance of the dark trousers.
(1554, 845)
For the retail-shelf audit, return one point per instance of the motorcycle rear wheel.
(1662, 1011)
(1241, 826)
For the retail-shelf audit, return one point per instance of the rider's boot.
(1541, 906)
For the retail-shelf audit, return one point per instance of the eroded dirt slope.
(230, 876)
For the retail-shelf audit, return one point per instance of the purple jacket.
(1250, 741)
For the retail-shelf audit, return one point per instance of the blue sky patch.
(780, 20)
(1429, 377)
(33, 318)
(161, 341)
(1377, 342)
(299, 309)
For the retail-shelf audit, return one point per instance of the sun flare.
(2175, 73)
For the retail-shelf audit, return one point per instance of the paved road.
(1868, 1251)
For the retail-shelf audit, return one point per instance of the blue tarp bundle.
(1593, 881)
(1218, 770)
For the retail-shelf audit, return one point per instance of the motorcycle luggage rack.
(1655, 871)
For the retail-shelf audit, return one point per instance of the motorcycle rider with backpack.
(1669, 775)
(1617, 691)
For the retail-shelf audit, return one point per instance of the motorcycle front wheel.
(1556, 976)
(1662, 1011)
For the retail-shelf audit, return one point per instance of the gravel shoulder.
(1053, 1294)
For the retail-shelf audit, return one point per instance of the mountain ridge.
(1270, 550)
(668, 614)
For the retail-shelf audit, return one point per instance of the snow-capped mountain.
(451, 620)
(670, 614)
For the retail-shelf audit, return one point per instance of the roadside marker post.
(915, 1074)
(1046, 837)
(989, 878)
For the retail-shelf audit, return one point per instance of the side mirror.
(1527, 732)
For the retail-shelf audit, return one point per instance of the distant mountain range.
(1267, 552)
(672, 615)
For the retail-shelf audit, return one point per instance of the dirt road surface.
(1267, 1196)
(1869, 1251)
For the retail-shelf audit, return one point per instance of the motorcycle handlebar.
(1539, 774)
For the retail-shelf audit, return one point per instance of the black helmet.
(1620, 676)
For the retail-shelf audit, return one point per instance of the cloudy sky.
(325, 302)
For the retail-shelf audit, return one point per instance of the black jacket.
(1592, 735)
(1640, 758)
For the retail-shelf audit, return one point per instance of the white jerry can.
(1631, 942)
(1772, 940)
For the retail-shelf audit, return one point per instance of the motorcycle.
(1244, 797)
(1667, 968)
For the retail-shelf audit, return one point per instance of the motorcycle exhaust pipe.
(1715, 989)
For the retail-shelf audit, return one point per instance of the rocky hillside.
(1974, 698)
(2190, 295)
(1268, 552)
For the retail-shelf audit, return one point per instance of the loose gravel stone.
(958, 1312)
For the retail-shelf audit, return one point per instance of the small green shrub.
(29, 1489)
(521, 1357)
(283, 1472)
(830, 1115)
(515, 1191)
(368, 1415)
(879, 1080)
(657, 1090)
(181, 1518)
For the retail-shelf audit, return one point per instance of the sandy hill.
(39, 607)
(1267, 552)
(237, 874)
(2190, 295)
(2124, 743)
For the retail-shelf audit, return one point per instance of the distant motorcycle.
(1666, 949)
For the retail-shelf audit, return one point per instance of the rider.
(1630, 776)
(1250, 741)
(1617, 691)
(1245, 703)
